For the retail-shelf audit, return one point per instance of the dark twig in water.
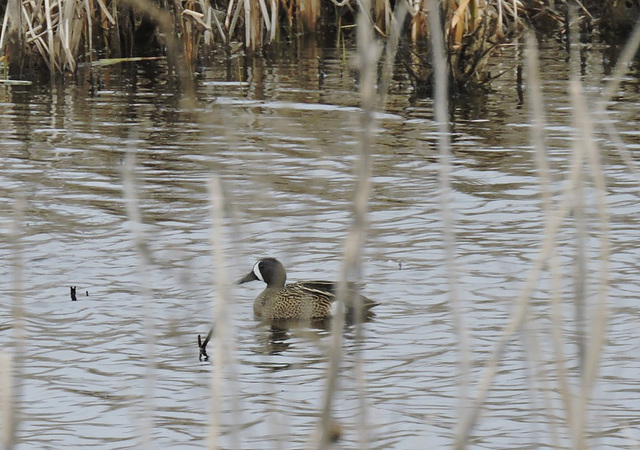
(73, 293)
(203, 346)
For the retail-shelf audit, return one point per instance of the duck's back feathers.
(304, 300)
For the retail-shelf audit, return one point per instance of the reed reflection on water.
(287, 178)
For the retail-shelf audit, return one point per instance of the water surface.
(282, 139)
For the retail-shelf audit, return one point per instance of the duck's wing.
(323, 294)
(327, 288)
(316, 288)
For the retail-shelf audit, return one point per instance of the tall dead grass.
(59, 34)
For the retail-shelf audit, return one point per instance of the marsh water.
(281, 136)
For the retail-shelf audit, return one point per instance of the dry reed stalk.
(622, 67)
(369, 53)
(380, 14)
(234, 19)
(11, 26)
(222, 332)
(70, 32)
(590, 331)
(7, 426)
(459, 21)
(11, 6)
(511, 8)
(251, 25)
(105, 11)
(391, 50)
(209, 15)
(89, 29)
(201, 31)
(418, 24)
(47, 11)
(288, 9)
(370, 102)
(579, 218)
(230, 10)
(265, 16)
(146, 296)
(184, 29)
(568, 398)
(441, 96)
(219, 311)
(197, 29)
(600, 315)
(274, 20)
(537, 136)
(12, 368)
(368, 56)
(309, 13)
(580, 266)
(35, 36)
(221, 31)
(64, 25)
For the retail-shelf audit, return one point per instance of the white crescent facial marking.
(256, 271)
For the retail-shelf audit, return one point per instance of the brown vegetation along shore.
(57, 34)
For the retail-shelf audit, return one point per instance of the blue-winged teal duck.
(309, 300)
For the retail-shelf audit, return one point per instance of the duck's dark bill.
(248, 277)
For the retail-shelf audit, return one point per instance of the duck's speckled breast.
(289, 303)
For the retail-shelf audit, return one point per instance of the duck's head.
(268, 270)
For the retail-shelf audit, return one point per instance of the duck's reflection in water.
(280, 335)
